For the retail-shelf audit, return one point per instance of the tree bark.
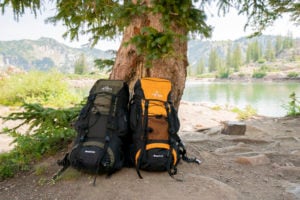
(130, 67)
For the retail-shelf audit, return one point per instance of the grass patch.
(245, 113)
(216, 108)
(88, 76)
(206, 75)
(37, 87)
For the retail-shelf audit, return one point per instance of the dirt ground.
(263, 164)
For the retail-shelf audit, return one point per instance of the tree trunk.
(130, 67)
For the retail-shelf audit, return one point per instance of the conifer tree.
(236, 58)
(155, 32)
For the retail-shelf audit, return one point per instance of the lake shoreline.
(245, 80)
(88, 82)
(268, 98)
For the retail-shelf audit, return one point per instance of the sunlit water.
(267, 98)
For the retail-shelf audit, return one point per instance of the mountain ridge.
(47, 53)
(44, 54)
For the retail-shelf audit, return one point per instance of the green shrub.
(206, 75)
(292, 74)
(241, 75)
(261, 61)
(50, 130)
(37, 87)
(223, 74)
(245, 113)
(265, 68)
(216, 108)
(259, 74)
(293, 107)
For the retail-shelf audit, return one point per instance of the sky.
(230, 27)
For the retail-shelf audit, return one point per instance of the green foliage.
(152, 44)
(206, 75)
(261, 61)
(36, 87)
(49, 130)
(236, 58)
(254, 52)
(293, 74)
(93, 76)
(200, 67)
(270, 52)
(241, 75)
(293, 107)
(216, 108)
(213, 61)
(223, 72)
(261, 72)
(104, 19)
(183, 14)
(104, 64)
(81, 65)
(245, 113)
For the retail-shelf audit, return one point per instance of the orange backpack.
(154, 123)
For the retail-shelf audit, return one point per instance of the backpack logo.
(106, 89)
(89, 151)
(158, 156)
(157, 94)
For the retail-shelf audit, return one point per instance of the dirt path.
(264, 164)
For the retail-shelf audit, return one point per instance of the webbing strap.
(172, 170)
(83, 127)
(145, 138)
(170, 123)
(182, 151)
(107, 138)
(65, 162)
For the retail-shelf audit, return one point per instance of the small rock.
(234, 128)
(254, 160)
(213, 131)
(290, 171)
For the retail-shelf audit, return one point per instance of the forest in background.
(220, 59)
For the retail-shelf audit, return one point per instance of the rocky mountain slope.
(44, 54)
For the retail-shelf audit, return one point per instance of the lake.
(267, 98)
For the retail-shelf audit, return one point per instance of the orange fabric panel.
(159, 89)
(157, 145)
(159, 128)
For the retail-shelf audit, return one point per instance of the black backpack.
(154, 123)
(102, 130)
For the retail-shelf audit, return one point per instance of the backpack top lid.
(108, 86)
(157, 91)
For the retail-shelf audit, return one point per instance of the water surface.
(268, 98)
